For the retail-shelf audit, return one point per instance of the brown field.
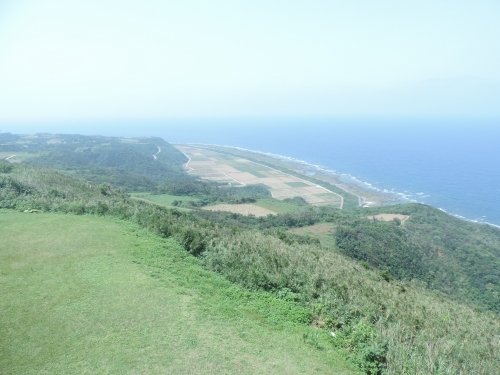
(243, 209)
(389, 217)
(235, 171)
(314, 230)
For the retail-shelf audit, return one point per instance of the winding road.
(159, 150)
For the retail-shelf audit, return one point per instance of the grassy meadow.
(166, 200)
(275, 205)
(324, 232)
(87, 295)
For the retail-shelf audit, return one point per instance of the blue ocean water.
(452, 165)
(449, 164)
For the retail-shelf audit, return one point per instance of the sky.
(153, 60)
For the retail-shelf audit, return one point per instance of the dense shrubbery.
(382, 325)
(210, 192)
(458, 258)
(123, 158)
(129, 165)
(8, 137)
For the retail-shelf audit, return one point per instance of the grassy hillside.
(132, 163)
(84, 294)
(458, 258)
(381, 325)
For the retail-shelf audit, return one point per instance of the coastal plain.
(354, 194)
(237, 171)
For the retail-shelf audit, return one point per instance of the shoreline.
(308, 170)
(394, 197)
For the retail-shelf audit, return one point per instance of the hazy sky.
(78, 60)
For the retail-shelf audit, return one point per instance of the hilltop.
(419, 296)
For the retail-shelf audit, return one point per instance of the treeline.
(384, 326)
(456, 258)
(211, 192)
(8, 137)
(130, 165)
(125, 163)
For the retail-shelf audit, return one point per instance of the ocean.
(453, 165)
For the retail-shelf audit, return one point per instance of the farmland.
(236, 171)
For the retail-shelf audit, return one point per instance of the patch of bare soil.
(389, 217)
(316, 229)
(243, 209)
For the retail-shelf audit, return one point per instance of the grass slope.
(86, 295)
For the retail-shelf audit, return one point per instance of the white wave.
(408, 197)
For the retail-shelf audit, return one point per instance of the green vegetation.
(16, 156)
(418, 298)
(84, 294)
(6, 168)
(297, 184)
(171, 201)
(280, 207)
(324, 232)
(126, 164)
(381, 325)
(247, 167)
(8, 137)
(211, 193)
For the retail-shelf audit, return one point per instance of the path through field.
(159, 150)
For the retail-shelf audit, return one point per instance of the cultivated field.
(237, 171)
(242, 209)
(89, 295)
(354, 194)
(322, 231)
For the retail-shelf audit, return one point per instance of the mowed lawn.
(90, 295)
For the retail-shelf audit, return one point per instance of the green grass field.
(298, 184)
(322, 231)
(89, 295)
(19, 156)
(248, 167)
(165, 199)
(277, 206)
